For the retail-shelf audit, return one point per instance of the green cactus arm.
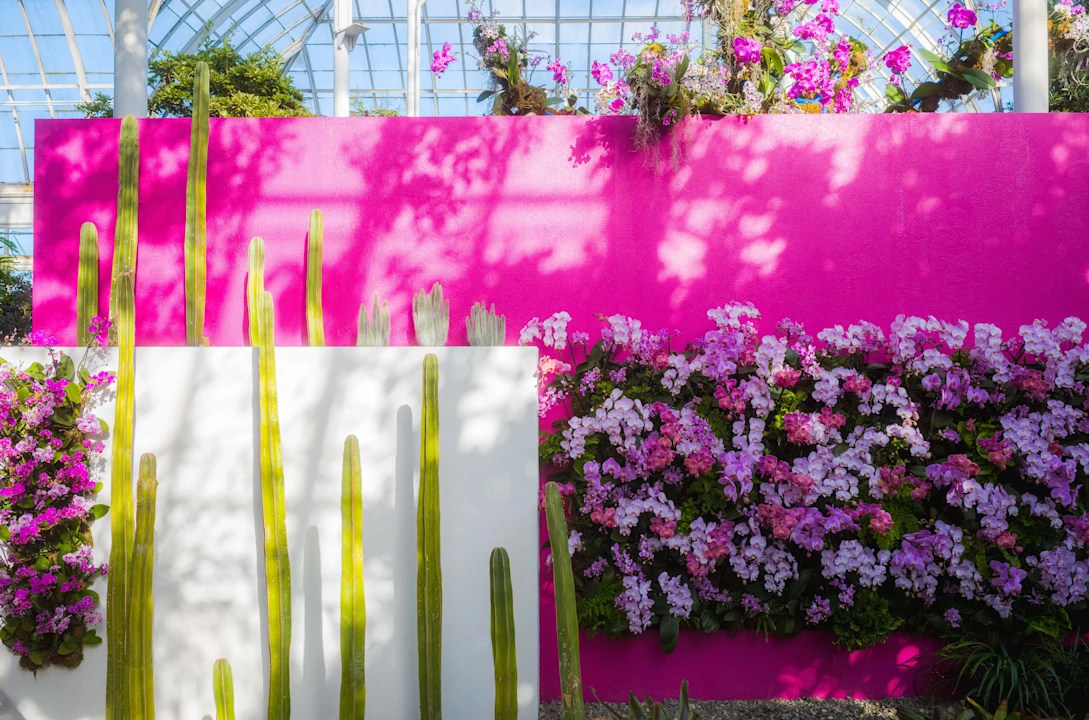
(87, 283)
(196, 208)
(428, 550)
(567, 625)
(503, 649)
(373, 330)
(315, 319)
(277, 565)
(223, 687)
(128, 193)
(121, 506)
(353, 608)
(139, 678)
(255, 286)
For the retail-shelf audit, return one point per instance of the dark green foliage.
(597, 610)
(865, 623)
(1071, 98)
(253, 85)
(15, 302)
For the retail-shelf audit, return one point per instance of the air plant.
(484, 327)
(353, 607)
(315, 319)
(373, 330)
(87, 283)
(428, 549)
(196, 211)
(431, 317)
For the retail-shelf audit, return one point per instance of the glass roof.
(56, 53)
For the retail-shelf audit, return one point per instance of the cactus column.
(223, 688)
(429, 568)
(277, 567)
(567, 624)
(87, 283)
(315, 320)
(255, 287)
(503, 654)
(353, 608)
(128, 190)
(196, 205)
(140, 679)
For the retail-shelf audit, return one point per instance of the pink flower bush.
(49, 449)
(932, 476)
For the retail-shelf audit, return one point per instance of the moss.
(867, 622)
(599, 612)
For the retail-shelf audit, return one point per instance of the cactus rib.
(428, 550)
(353, 608)
(87, 283)
(373, 330)
(503, 650)
(223, 687)
(277, 568)
(567, 626)
(128, 192)
(255, 287)
(196, 207)
(315, 320)
(121, 520)
(140, 676)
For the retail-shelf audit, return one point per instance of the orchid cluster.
(972, 56)
(1069, 28)
(50, 449)
(857, 481)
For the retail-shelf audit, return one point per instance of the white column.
(413, 46)
(342, 18)
(130, 58)
(1030, 56)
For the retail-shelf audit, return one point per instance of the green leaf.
(42, 563)
(74, 393)
(773, 60)
(65, 649)
(105, 426)
(36, 370)
(5, 533)
(925, 89)
(99, 510)
(979, 79)
(894, 93)
(36, 657)
(709, 621)
(91, 639)
(682, 68)
(485, 95)
(931, 57)
(554, 100)
(23, 393)
(66, 369)
(669, 632)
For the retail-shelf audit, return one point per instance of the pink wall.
(823, 219)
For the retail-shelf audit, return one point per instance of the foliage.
(360, 107)
(16, 306)
(253, 85)
(650, 710)
(1068, 28)
(859, 481)
(51, 447)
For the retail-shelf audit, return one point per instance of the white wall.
(195, 411)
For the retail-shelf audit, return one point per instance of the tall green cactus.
(277, 566)
(255, 287)
(223, 687)
(428, 550)
(485, 328)
(87, 283)
(353, 607)
(128, 195)
(567, 624)
(431, 317)
(373, 330)
(196, 207)
(315, 319)
(140, 679)
(121, 513)
(503, 655)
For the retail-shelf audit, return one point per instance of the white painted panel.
(195, 411)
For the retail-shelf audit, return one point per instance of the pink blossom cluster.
(935, 468)
(49, 448)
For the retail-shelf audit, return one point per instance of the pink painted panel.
(823, 219)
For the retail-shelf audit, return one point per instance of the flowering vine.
(857, 481)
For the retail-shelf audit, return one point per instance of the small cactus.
(373, 330)
(87, 283)
(485, 328)
(431, 317)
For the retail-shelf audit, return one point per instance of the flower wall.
(827, 221)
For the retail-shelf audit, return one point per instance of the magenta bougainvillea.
(931, 477)
(50, 447)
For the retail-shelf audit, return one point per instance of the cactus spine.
(121, 520)
(567, 625)
(429, 567)
(484, 327)
(128, 192)
(373, 330)
(196, 206)
(87, 283)
(353, 608)
(503, 655)
(315, 319)
(277, 568)
(223, 687)
(431, 317)
(140, 678)
(255, 287)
